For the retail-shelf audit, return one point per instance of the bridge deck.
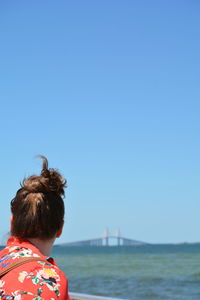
(121, 241)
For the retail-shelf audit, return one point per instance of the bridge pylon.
(106, 236)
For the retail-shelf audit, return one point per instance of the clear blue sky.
(109, 91)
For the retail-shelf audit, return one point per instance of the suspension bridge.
(107, 240)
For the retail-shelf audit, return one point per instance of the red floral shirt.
(33, 280)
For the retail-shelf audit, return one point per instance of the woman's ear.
(60, 231)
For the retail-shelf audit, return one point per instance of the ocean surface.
(133, 272)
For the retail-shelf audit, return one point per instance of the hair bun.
(50, 180)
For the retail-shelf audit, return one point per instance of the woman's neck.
(43, 245)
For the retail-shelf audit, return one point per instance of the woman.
(28, 272)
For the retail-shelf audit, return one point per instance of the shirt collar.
(14, 241)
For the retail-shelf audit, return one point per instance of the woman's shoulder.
(35, 281)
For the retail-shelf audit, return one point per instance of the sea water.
(133, 272)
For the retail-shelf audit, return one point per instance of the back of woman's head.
(38, 207)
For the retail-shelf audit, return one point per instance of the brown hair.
(38, 207)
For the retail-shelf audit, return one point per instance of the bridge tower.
(106, 236)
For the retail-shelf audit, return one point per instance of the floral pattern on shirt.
(36, 280)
